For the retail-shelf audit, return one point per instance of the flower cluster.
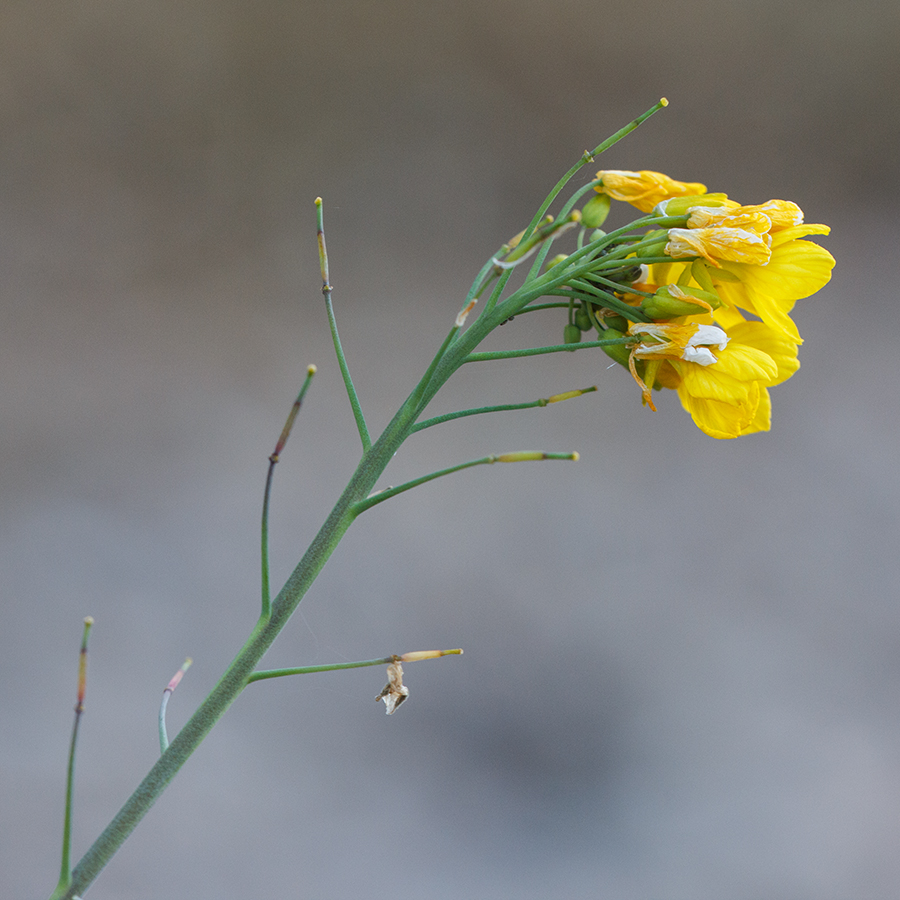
(701, 302)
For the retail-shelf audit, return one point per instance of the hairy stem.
(238, 673)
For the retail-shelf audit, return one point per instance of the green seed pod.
(582, 319)
(571, 334)
(618, 352)
(595, 211)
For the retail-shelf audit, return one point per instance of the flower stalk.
(618, 285)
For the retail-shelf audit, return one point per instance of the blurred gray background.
(682, 669)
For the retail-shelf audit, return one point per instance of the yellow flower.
(771, 216)
(756, 260)
(644, 189)
(719, 243)
(722, 376)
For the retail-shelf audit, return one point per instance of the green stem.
(539, 351)
(464, 413)
(327, 288)
(273, 460)
(566, 209)
(170, 689)
(588, 157)
(309, 670)
(163, 733)
(608, 300)
(236, 676)
(386, 494)
(458, 349)
(65, 875)
(331, 667)
(504, 407)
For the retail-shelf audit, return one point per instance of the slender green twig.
(425, 380)
(596, 279)
(273, 459)
(588, 157)
(566, 209)
(499, 287)
(170, 688)
(489, 355)
(519, 456)
(486, 275)
(331, 667)
(327, 288)
(537, 307)
(610, 301)
(505, 407)
(65, 871)
(581, 262)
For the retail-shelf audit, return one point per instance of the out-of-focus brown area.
(681, 673)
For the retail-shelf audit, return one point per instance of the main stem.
(375, 459)
(235, 678)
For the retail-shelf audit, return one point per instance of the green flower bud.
(620, 323)
(655, 249)
(582, 319)
(595, 211)
(680, 206)
(672, 301)
(560, 257)
(571, 334)
(617, 352)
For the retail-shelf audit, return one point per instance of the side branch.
(331, 667)
(538, 351)
(518, 456)
(327, 288)
(505, 407)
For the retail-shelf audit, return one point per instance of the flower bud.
(620, 323)
(681, 206)
(672, 301)
(582, 319)
(655, 249)
(560, 257)
(571, 334)
(617, 352)
(595, 211)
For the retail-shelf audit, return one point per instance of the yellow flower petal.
(782, 351)
(762, 420)
(798, 231)
(722, 420)
(796, 269)
(719, 244)
(781, 213)
(743, 217)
